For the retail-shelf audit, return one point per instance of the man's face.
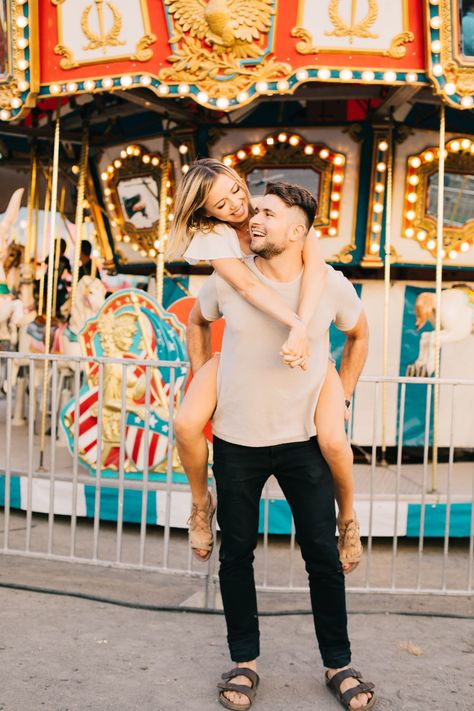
(272, 226)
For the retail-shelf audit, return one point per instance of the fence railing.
(85, 480)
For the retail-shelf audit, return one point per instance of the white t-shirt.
(219, 243)
(260, 400)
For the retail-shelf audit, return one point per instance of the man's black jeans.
(306, 481)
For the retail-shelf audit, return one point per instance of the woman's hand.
(295, 350)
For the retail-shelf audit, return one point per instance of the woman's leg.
(329, 420)
(193, 415)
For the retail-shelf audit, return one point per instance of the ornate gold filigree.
(104, 39)
(143, 53)
(306, 45)
(345, 256)
(359, 29)
(397, 46)
(67, 60)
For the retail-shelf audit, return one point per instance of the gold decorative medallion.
(219, 45)
(354, 29)
(104, 39)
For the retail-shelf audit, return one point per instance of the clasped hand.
(295, 351)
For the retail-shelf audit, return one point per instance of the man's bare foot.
(233, 696)
(360, 701)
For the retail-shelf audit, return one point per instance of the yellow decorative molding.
(359, 29)
(397, 48)
(306, 45)
(104, 39)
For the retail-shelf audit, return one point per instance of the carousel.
(103, 107)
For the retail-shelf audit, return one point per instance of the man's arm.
(198, 338)
(354, 355)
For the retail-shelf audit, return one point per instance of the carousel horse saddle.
(37, 329)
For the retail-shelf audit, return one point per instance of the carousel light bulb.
(318, 233)
(302, 74)
(242, 97)
(117, 164)
(256, 150)
(145, 80)
(409, 232)
(21, 21)
(107, 83)
(23, 85)
(338, 179)
(110, 169)
(183, 149)
(324, 74)
(345, 74)
(411, 77)
(379, 188)
(146, 159)
(261, 87)
(465, 144)
(453, 254)
(75, 170)
(339, 160)
(168, 184)
(126, 238)
(464, 247)
(135, 247)
(411, 214)
(20, 2)
(156, 243)
(155, 161)
(89, 84)
(412, 197)
(54, 89)
(169, 200)
(324, 153)
(241, 155)
(390, 76)
(455, 146)
(434, 2)
(143, 252)
(421, 235)
(136, 151)
(183, 89)
(436, 46)
(202, 97)
(381, 167)
(334, 214)
(383, 146)
(335, 197)
(129, 150)
(126, 80)
(282, 137)
(23, 65)
(376, 228)
(164, 89)
(104, 176)
(332, 231)
(4, 115)
(368, 75)
(283, 85)
(294, 140)
(467, 102)
(413, 180)
(309, 150)
(185, 168)
(22, 43)
(449, 88)
(415, 162)
(107, 191)
(228, 161)
(431, 244)
(71, 87)
(374, 247)
(437, 70)
(222, 102)
(270, 141)
(16, 102)
(170, 217)
(378, 207)
(152, 252)
(435, 22)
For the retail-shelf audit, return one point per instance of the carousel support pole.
(57, 254)
(439, 283)
(387, 265)
(30, 238)
(162, 225)
(47, 200)
(81, 186)
(49, 296)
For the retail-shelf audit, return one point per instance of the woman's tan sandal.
(200, 528)
(349, 544)
(229, 685)
(344, 698)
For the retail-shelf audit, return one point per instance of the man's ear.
(298, 232)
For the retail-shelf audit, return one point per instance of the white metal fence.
(416, 539)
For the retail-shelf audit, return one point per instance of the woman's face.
(227, 201)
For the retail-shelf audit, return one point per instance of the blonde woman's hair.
(191, 196)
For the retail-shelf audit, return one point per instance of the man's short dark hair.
(86, 248)
(295, 196)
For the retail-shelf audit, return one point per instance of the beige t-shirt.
(260, 400)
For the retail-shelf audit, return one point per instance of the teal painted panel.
(15, 493)
(132, 505)
(435, 520)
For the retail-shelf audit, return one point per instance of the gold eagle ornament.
(228, 26)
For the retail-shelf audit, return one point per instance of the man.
(263, 425)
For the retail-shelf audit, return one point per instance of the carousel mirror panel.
(316, 165)
(421, 198)
(132, 193)
(18, 57)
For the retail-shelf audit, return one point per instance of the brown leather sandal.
(228, 685)
(200, 528)
(349, 543)
(344, 698)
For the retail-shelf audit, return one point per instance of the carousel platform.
(394, 500)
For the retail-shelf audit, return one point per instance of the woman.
(212, 213)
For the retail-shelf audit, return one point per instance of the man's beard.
(267, 251)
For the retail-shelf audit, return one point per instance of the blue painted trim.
(435, 520)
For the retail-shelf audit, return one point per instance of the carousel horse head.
(90, 295)
(8, 221)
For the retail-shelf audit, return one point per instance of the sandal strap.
(242, 671)
(335, 681)
(248, 691)
(359, 689)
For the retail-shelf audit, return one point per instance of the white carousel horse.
(11, 309)
(457, 319)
